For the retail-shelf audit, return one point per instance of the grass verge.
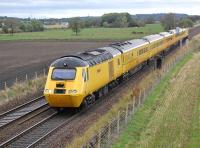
(20, 90)
(170, 115)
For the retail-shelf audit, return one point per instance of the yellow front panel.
(68, 99)
(56, 100)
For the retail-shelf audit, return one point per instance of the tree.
(133, 23)
(10, 25)
(121, 21)
(76, 24)
(149, 20)
(23, 27)
(32, 26)
(116, 19)
(37, 25)
(169, 21)
(4, 29)
(185, 22)
(29, 27)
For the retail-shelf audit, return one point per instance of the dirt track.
(19, 58)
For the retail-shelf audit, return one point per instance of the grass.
(170, 115)
(87, 34)
(19, 90)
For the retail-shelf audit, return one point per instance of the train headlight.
(48, 91)
(72, 91)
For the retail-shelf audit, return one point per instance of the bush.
(33, 26)
(5, 29)
(116, 20)
(186, 22)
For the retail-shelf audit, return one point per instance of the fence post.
(144, 94)
(26, 77)
(44, 71)
(140, 95)
(99, 139)
(126, 117)
(5, 85)
(16, 80)
(118, 118)
(133, 110)
(36, 75)
(109, 132)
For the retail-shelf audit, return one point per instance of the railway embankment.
(21, 92)
(170, 116)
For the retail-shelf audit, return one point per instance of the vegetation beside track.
(87, 34)
(21, 89)
(170, 115)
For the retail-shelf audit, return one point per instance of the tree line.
(109, 20)
(12, 25)
(120, 20)
(171, 21)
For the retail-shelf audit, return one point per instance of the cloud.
(68, 8)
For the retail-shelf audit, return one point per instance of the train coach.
(80, 79)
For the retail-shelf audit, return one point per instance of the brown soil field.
(24, 57)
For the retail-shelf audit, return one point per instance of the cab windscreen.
(63, 74)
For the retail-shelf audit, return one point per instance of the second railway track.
(21, 111)
(36, 133)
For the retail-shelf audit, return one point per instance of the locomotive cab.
(66, 81)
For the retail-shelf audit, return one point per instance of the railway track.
(38, 132)
(21, 111)
(194, 31)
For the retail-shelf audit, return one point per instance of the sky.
(72, 8)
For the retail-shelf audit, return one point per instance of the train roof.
(165, 34)
(69, 62)
(173, 31)
(112, 50)
(177, 30)
(129, 45)
(82, 59)
(153, 38)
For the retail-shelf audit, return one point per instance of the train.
(79, 79)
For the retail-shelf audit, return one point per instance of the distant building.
(60, 25)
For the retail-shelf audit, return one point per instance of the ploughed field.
(20, 58)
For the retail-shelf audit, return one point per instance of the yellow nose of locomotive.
(64, 87)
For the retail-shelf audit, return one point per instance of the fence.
(22, 78)
(106, 134)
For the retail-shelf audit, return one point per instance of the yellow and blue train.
(79, 79)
